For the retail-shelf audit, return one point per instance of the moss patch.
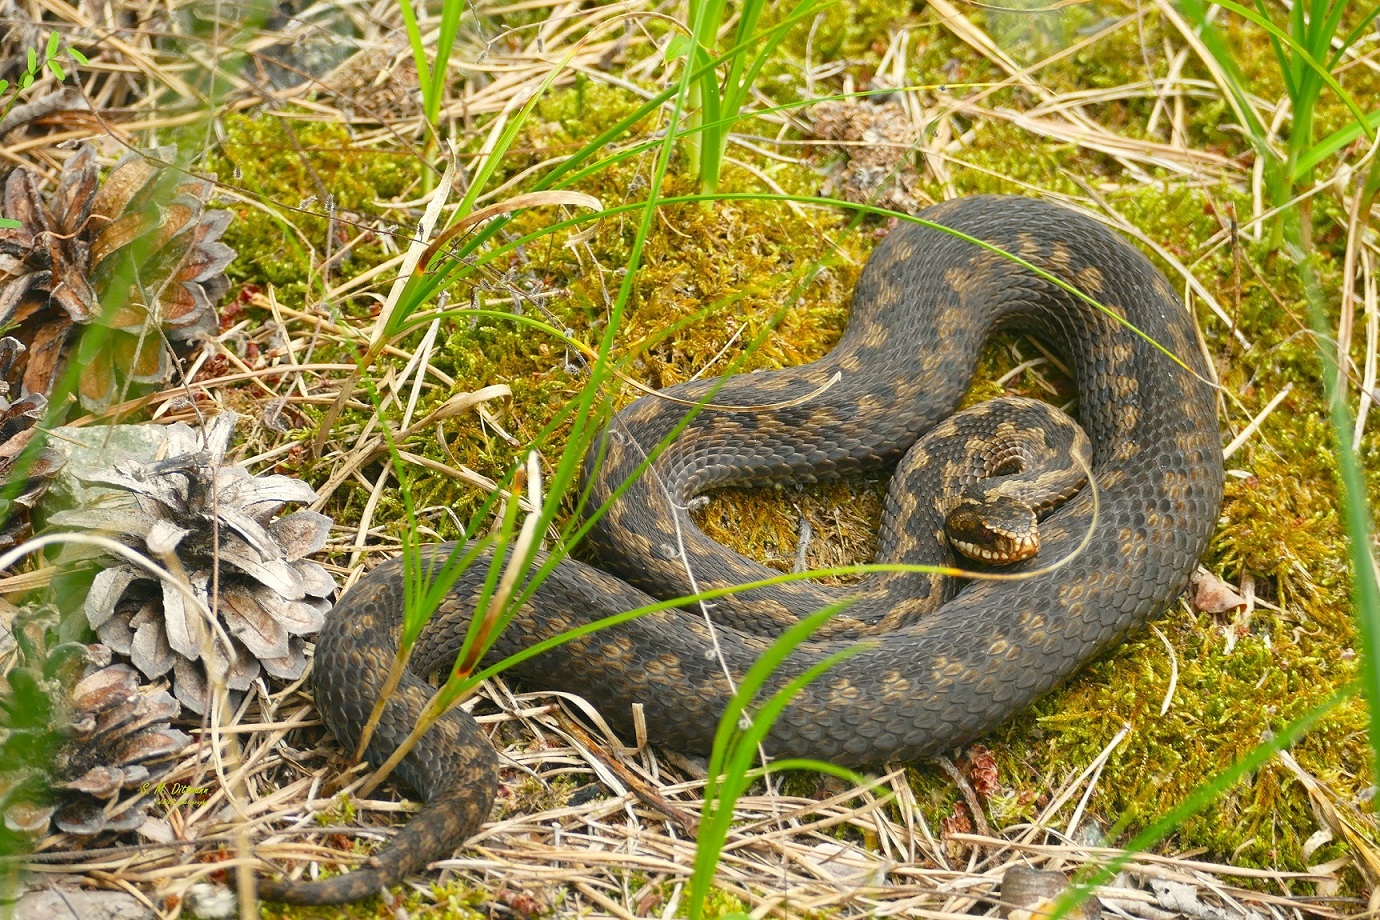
(298, 171)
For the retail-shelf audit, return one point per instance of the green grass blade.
(1256, 132)
(735, 745)
(1305, 56)
(1286, 70)
(1334, 143)
(1361, 28)
(414, 38)
(445, 43)
(1355, 507)
(1326, 29)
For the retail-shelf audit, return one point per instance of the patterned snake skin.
(942, 664)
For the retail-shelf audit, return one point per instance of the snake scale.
(941, 664)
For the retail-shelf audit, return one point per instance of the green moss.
(300, 171)
(719, 904)
(443, 902)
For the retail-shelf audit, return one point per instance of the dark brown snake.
(939, 668)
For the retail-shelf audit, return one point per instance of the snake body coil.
(937, 670)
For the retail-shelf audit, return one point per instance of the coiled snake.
(937, 670)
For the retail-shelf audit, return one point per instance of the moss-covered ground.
(716, 279)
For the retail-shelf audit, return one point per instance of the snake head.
(993, 528)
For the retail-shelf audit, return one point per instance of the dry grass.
(626, 848)
(621, 845)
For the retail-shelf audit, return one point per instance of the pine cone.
(185, 512)
(80, 739)
(24, 474)
(136, 262)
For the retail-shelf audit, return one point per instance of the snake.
(934, 661)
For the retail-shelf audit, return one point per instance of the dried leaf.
(181, 624)
(117, 634)
(102, 781)
(127, 178)
(24, 204)
(255, 538)
(82, 816)
(45, 351)
(1212, 595)
(272, 573)
(189, 685)
(289, 667)
(27, 818)
(302, 618)
(150, 746)
(73, 199)
(120, 232)
(315, 579)
(261, 496)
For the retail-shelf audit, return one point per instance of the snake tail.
(453, 767)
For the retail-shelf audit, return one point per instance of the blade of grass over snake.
(495, 611)
(424, 586)
(738, 736)
(783, 578)
(565, 474)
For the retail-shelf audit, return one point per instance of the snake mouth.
(1004, 550)
(999, 530)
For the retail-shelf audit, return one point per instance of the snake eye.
(996, 530)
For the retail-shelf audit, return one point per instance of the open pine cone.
(184, 513)
(136, 262)
(24, 473)
(80, 739)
